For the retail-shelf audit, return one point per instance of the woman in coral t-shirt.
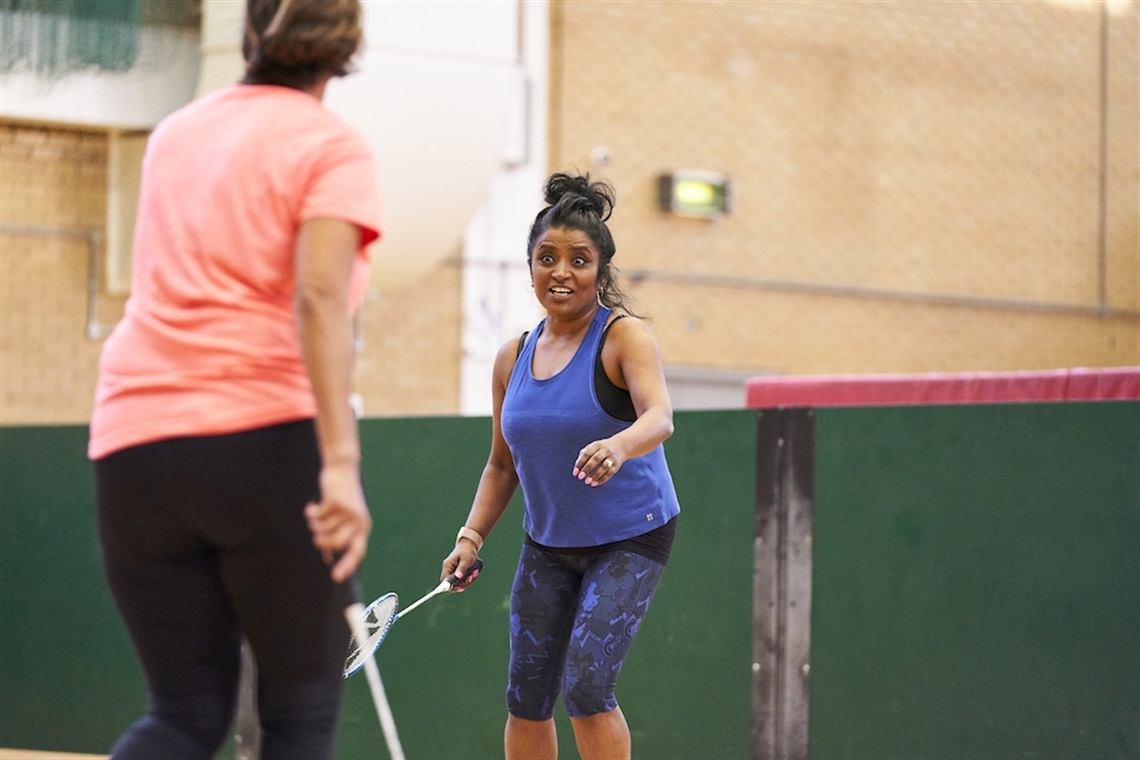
(226, 454)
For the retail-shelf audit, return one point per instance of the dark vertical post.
(781, 610)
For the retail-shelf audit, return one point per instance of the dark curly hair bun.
(576, 202)
(597, 196)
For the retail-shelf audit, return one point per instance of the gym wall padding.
(68, 677)
(69, 680)
(976, 590)
(1076, 384)
(685, 687)
(976, 582)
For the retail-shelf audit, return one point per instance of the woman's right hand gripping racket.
(382, 614)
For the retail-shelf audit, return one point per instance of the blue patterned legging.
(573, 619)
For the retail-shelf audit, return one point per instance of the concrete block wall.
(54, 180)
(919, 187)
(53, 186)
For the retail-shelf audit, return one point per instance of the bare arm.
(499, 480)
(632, 360)
(340, 521)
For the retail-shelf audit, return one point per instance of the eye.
(580, 261)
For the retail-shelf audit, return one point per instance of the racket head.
(378, 619)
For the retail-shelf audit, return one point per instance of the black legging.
(204, 541)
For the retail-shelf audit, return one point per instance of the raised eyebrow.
(575, 248)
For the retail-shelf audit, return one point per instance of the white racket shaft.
(444, 585)
(354, 614)
(373, 622)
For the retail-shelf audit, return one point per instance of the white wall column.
(497, 300)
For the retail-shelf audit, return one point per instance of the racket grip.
(453, 581)
(350, 591)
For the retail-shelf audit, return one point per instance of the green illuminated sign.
(704, 195)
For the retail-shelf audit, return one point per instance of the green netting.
(54, 38)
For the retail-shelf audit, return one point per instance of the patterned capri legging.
(573, 620)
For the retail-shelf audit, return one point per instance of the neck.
(570, 327)
(317, 89)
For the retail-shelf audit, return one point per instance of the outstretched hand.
(597, 462)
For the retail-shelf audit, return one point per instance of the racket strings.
(378, 618)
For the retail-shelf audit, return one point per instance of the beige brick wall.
(410, 360)
(918, 188)
(53, 184)
(1122, 207)
(917, 185)
(55, 181)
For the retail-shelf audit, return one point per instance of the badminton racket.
(354, 614)
(379, 617)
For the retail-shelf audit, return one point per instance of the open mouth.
(560, 291)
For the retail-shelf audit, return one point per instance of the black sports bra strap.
(616, 401)
(607, 330)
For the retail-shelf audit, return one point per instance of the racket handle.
(453, 581)
(350, 591)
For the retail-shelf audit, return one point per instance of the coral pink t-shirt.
(209, 342)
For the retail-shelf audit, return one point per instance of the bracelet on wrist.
(470, 535)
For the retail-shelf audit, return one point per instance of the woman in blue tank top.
(580, 415)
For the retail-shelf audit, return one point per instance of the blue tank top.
(546, 423)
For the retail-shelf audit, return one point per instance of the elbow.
(311, 301)
(502, 469)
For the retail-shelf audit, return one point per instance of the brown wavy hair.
(295, 43)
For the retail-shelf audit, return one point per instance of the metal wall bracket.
(95, 330)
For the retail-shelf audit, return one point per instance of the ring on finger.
(609, 463)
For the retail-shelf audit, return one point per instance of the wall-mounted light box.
(699, 194)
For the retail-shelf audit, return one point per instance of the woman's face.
(564, 270)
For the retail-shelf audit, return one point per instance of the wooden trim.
(781, 648)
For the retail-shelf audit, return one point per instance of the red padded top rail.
(1099, 384)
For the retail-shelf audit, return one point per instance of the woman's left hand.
(597, 462)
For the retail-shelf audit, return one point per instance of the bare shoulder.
(505, 359)
(630, 331)
(509, 349)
